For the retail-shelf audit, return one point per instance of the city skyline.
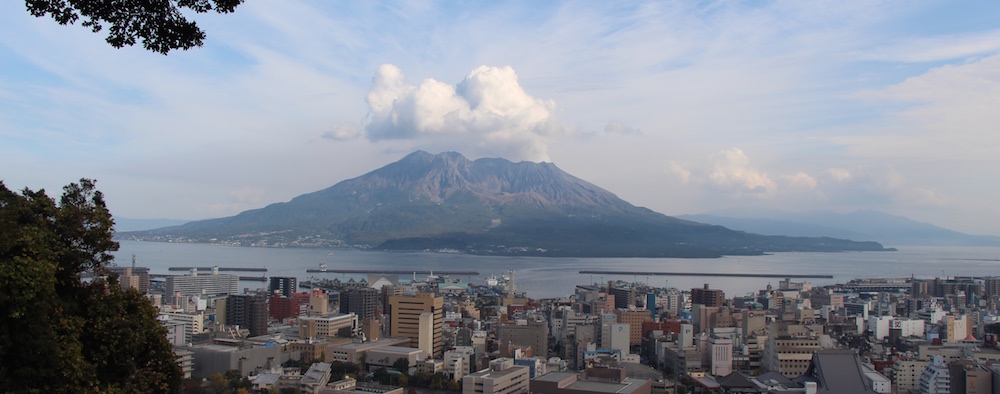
(681, 108)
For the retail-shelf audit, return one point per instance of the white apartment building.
(194, 284)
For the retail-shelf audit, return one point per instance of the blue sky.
(682, 107)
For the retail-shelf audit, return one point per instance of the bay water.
(546, 277)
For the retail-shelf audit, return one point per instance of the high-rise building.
(281, 307)
(286, 285)
(605, 330)
(248, 311)
(132, 276)
(720, 355)
(405, 311)
(524, 334)
(634, 318)
(936, 378)
(362, 302)
(137, 277)
(319, 303)
(958, 328)
(624, 296)
(789, 347)
(193, 323)
(708, 297)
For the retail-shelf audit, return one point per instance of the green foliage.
(217, 384)
(302, 365)
(420, 379)
(193, 386)
(161, 25)
(381, 375)
(340, 368)
(237, 381)
(58, 333)
(402, 364)
(439, 381)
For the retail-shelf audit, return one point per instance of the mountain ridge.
(485, 206)
(860, 224)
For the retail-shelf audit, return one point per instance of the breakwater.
(392, 272)
(714, 274)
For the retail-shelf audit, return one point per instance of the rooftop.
(489, 373)
(554, 376)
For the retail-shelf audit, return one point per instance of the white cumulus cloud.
(732, 171)
(839, 174)
(486, 114)
(800, 180)
(343, 132)
(683, 173)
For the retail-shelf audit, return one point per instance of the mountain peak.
(421, 155)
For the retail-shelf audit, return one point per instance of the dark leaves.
(159, 24)
(57, 332)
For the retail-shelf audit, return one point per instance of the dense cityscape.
(802, 185)
(390, 333)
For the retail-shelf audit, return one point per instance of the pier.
(712, 274)
(221, 269)
(391, 272)
(246, 278)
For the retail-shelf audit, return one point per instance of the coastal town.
(392, 333)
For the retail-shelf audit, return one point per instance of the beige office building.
(328, 326)
(503, 377)
(405, 320)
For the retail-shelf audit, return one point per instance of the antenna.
(133, 261)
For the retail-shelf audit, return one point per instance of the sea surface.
(543, 277)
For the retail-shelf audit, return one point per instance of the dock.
(391, 272)
(221, 269)
(712, 274)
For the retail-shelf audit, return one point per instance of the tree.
(217, 384)
(237, 381)
(402, 364)
(439, 381)
(381, 375)
(160, 24)
(57, 332)
(340, 369)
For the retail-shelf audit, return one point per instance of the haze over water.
(543, 277)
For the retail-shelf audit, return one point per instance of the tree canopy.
(59, 333)
(160, 24)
